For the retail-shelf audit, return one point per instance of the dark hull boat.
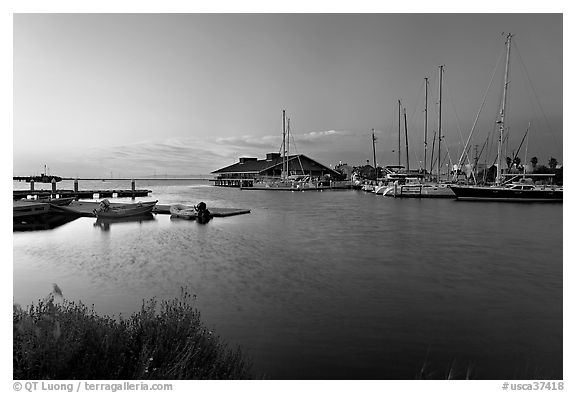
(105, 210)
(523, 190)
(51, 201)
(514, 193)
(41, 222)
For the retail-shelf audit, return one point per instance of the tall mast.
(399, 131)
(441, 68)
(288, 147)
(425, 120)
(503, 109)
(283, 143)
(374, 153)
(432, 155)
(406, 132)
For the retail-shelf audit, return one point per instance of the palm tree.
(534, 161)
(553, 163)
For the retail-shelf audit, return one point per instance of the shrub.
(66, 340)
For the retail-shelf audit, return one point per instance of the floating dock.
(85, 208)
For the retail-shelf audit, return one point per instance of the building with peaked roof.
(247, 169)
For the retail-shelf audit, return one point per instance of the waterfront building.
(248, 169)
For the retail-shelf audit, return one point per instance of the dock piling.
(53, 186)
(31, 185)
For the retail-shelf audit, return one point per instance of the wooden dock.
(85, 208)
(82, 194)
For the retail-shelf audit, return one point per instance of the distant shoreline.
(132, 178)
(135, 178)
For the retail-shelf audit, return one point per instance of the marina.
(287, 196)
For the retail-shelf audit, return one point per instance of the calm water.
(329, 285)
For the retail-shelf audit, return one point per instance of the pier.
(80, 194)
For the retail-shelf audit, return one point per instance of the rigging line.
(432, 161)
(296, 149)
(535, 95)
(526, 151)
(521, 143)
(392, 123)
(447, 155)
(453, 108)
(464, 151)
(411, 137)
(483, 147)
(483, 103)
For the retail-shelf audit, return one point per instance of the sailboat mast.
(288, 147)
(399, 131)
(425, 120)
(406, 132)
(374, 154)
(432, 155)
(283, 143)
(441, 68)
(503, 109)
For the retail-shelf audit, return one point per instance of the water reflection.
(41, 222)
(199, 220)
(105, 223)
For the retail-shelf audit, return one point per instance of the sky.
(128, 95)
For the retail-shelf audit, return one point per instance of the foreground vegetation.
(58, 339)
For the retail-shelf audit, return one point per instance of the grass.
(58, 339)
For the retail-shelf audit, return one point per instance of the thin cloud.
(181, 156)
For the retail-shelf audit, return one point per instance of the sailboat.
(411, 185)
(291, 179)
(518, 188)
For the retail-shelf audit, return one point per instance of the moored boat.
(519, 191)
(515, 192)
(41, 222)
(50, 200)
(419, 190)
(60, 201)
(26, 209)
(106, 210)
(183, 211)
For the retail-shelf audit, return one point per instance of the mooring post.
(133, 185)
(53, 186)
(76, 185)
(31, 185)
